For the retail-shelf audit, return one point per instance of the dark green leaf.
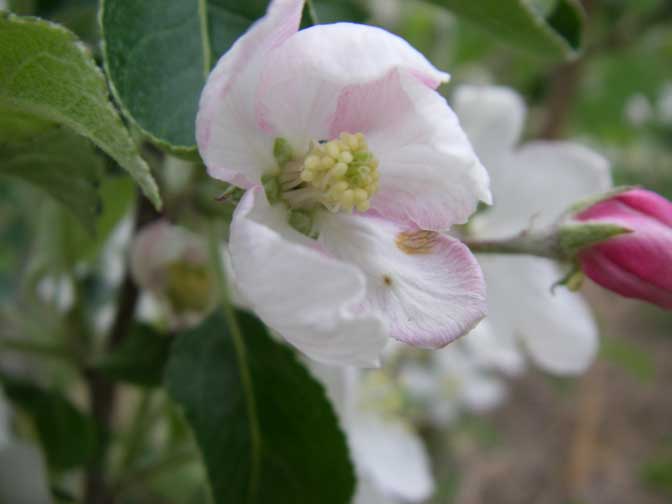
(140, 359)
(46, 72)
(67, 435)
(301, 455)
(332, 11)
(56, 160)
(518, 22)
(158, 54)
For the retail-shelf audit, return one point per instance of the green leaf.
(140, 359)
(56, 160)
(67, 435)
(332, 11)
(282, 444)
(46, 72)
(158, 54)
(519, 22)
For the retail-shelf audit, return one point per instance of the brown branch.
(102, 392)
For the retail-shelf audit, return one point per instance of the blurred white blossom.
(171, 263)
(532, 185)
(638, 110)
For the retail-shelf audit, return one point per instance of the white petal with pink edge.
(231, 142)
(427, 286)
(311, 299)
(429, 174)
(304, 79)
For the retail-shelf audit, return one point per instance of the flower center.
(344, 172)
(188, 287)
(341, 175)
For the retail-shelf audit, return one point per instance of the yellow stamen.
(343, 171)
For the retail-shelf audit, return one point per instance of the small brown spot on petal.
(417, 242)
(387, 280)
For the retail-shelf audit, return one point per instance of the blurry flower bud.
(172, 263)
(638, 264)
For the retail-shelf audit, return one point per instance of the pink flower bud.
(639, 264)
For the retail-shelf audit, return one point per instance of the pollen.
(417, 242)
(343, 171)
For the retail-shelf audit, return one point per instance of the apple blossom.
(171, 263)
(532, 185)
(638, 264)
(389, 456)
(451, 382)
(378, 410)
(353, 164)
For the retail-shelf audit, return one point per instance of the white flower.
(532, 184)
(362, 164)
(391, 461)
(450, 382)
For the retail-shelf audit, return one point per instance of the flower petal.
(305, 77)
(539, 182)
(427, 286)
(493, 118)
(391, 454)
(429, 174)
(491, 349)
(556, 328)
(231, 141)
(306, 296)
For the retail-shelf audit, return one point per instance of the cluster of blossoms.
(355, 170)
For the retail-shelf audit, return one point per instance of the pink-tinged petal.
(429, 174)
(304, 78)
(309, 298)
(231, 141)
(493, 118)
(646, 253)
(648, 203)
(638, 264)
(636, 200)
(610, 275)
(537, 183)
(427, 286)
(556, 328)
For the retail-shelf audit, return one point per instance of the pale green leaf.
(55, 159)
(46, 72)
